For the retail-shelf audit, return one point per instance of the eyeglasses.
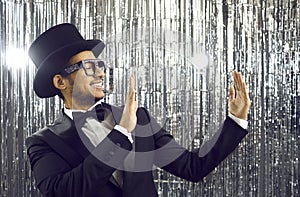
(89, 66)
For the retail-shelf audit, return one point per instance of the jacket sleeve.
(56, 177)
(196, 164)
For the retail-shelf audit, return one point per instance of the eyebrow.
(80, 58)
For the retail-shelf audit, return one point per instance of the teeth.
(97, 85)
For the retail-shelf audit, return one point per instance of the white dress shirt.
(91, 126)
(96, 132)
(241, 122)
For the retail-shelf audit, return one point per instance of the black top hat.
(52, 50)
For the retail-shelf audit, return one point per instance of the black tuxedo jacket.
(64, 163)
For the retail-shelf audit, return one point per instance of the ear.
(59, 82)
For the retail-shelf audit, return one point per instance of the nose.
(99, 72)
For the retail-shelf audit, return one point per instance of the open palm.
(239, 102)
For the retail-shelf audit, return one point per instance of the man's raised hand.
(129, 118)
(239, 102)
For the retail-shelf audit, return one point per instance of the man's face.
(83, 89)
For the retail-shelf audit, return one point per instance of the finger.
(245, 91)
(236, 80)
(130, 86)
(239, 81)
(131, 83)
(231, 93)
(132, 95)
(131, 91)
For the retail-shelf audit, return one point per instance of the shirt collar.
(69, 112)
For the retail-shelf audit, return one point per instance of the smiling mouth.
(97, 85)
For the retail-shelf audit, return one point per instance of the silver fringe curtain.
(182, 54)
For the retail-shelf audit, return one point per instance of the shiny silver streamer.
(186, 92)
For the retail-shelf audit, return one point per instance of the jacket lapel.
(65, 128)
(115, 111)
(78, 144)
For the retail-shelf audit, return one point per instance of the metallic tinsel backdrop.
(182, 54)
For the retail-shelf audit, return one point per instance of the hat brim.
(53, 64)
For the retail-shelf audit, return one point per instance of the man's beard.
(80, 98)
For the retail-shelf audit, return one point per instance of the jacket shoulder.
(40, 133)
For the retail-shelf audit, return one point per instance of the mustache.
(108, 91)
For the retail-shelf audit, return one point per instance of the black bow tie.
(98, 113)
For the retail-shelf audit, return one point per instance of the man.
(79, 155)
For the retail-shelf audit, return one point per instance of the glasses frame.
(74, 67)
